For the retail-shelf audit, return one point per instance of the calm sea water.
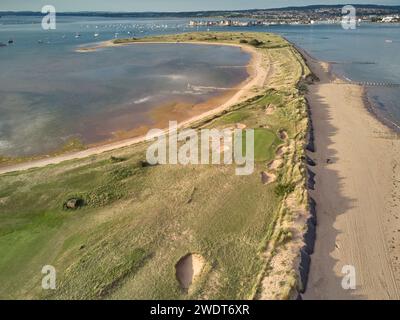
(49, 93)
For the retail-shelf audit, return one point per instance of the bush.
(121, 173)
(283, 189)
(256, 43)
(117, 159)
(243, 41)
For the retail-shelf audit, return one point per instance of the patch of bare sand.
(267, 178)
(188, 269)
(275, 164)
(240, 126)
(356, 220)
(270, 109)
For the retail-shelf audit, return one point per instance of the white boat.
(96, 35)
(388, 41)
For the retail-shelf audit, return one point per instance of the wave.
(4, 144)
(142, 100)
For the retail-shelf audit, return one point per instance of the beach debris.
(188, 269)
(73, 204)
(328, 161)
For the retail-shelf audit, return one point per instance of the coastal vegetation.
(136, 221)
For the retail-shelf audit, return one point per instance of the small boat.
(2, 44)
(96, 35)
(388, 41)
(77, 36)
(11, 41)
(40, 41)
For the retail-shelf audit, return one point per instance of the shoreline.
(243, 91)
(355, 171)
(368, 104)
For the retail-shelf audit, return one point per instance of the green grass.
(265, 144)
(138, 221)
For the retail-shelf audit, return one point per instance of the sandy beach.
(357, 185)
(247, 89)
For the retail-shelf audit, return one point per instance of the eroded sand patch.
(283, 135)
(240, 126)
(187, 270)
(267, 178)
(270, 109)
(275, 165)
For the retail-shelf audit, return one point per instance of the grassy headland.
(138, 221)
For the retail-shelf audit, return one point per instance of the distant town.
(305, 15)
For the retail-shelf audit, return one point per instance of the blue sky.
(166, 5)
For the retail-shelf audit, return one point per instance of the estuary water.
(50, 94)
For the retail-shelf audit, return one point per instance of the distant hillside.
(366, 9)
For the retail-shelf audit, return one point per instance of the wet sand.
(357, 194)
(247, 89)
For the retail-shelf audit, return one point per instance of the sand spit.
(355, 161)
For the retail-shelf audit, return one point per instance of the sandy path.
(356, 217)
(257, 77)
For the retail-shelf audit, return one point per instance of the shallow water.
(50, 94)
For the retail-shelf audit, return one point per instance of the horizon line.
(215, 10)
